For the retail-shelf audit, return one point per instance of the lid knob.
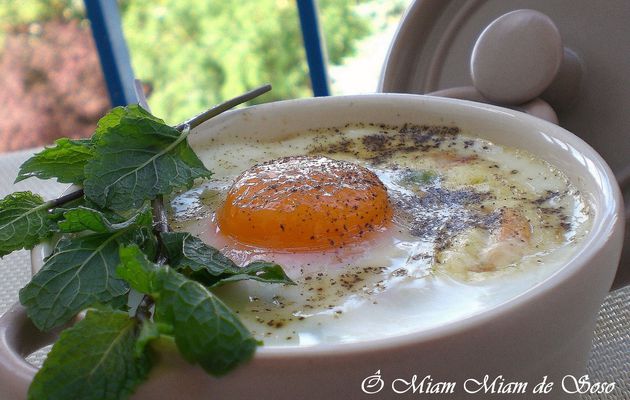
(516, 57)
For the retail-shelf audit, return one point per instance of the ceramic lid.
(433, 50)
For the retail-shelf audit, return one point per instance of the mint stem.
(223, 107)
(143, 312)
(65, 199)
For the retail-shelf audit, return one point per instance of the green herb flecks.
(421, 177)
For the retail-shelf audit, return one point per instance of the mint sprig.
(112, 243)
(192, 309)
(81, 270)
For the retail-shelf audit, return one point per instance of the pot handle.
(536, 107)
(19, 338)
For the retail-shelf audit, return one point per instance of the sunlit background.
(190, 54)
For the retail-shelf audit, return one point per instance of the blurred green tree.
(197, 53)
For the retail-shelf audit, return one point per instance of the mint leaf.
(79, 273)
(136, 269)
(146, 239)
(187, 251)
(262, 271)
(65, 161)
(138, 157)
(57, 213)
(24, 222)
(209, 266)
(206, 331)
(94, 359)
(114, 118)
(83, 218)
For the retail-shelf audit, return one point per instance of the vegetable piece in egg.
(481, 250)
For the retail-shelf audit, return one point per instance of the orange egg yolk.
(304, 203)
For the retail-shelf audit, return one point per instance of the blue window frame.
(104, 18)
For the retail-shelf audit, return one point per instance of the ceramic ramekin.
(546, 331)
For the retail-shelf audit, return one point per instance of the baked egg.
(386, 230)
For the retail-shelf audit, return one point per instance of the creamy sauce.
(474, 225)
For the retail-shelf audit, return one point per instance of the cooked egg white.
(465, 226)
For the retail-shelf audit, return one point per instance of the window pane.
(372, 28)
(196, 53)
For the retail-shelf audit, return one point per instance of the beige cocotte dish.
(496, 241)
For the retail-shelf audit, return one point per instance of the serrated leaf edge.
(153, 158)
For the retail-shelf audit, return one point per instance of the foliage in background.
(17, 16)
(27, 11)
(50, 79)
(191, 53)
(196, 53)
